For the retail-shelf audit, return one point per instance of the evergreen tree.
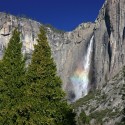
(45, 103)
(11, 80)
(83, 119)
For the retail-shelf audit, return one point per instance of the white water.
(80, 79)
(88, 56)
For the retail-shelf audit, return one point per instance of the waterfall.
(80, 78)
(88, 55)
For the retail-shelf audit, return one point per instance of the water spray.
(80, 78)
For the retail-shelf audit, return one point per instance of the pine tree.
(12, 70)
(45, 103)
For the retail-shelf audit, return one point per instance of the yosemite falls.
(80, 78)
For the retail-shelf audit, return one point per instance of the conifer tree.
(45, 103)
(11, 80)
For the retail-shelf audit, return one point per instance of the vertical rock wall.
(69, 48)
(109, 40)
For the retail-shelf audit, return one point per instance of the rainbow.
(80, 82)
(80, 78)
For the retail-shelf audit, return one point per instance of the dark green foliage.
(99, 115)
(11, 80)
(83, 100)
(34, 98)
(45, 104)
(123, 98)
(106, 113)
(83, 119)
(123, 119)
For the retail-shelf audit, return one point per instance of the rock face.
(69, 49)
(28, 28)
(109, 32)
(105, 106)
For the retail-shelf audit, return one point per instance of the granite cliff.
(109, 37)
(67, 47)
(69, 50)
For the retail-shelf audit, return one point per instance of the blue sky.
(62, 14)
